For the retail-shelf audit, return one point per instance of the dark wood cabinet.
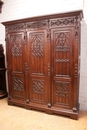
(43, 61)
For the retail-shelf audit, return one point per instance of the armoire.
(43, 62)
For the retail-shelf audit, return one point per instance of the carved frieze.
(62, 22)
(37, 24)
(16, 27)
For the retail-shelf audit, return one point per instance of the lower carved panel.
(62, 93)
(18, 87)
(38, 87)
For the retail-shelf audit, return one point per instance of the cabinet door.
(62, 66)
(16, 59)
(39, 79)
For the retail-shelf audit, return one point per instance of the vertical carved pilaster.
(48, 33)
(26, 68)
(48, 69)
(76, 27)
(76, 70)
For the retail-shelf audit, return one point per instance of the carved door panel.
(16, 61)
(39, 64)
(62, 66)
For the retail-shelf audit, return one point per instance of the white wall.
(18, 9)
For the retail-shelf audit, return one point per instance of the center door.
(39, 81)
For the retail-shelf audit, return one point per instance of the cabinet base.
(44, 108)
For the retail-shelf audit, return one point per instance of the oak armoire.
(43, 62)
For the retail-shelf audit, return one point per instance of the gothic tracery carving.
(62, 89)
(62, 22)
(16, 45)
(61, 42)
(18, 83)
(37, 45)
(38, 86)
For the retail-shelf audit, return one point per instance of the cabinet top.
(46, 17)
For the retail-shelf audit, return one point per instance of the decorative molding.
(38, 86)
(18, 83)
(62, 60)
(62, 89)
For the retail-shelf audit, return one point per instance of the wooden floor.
(17, 118)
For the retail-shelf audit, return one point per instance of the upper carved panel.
(16, 27)
(61, 42)
(37, 24)
(16, 45)
(37, 45)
